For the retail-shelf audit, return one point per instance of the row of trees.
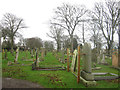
(102, 22)
(10, 26)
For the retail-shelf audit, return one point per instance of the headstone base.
(88, 83)
(87, 76)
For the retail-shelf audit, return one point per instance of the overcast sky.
(37, 13)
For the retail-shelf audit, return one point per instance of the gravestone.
(62, 56)
(16, 57)
(37, 61)
(103, 58)
(74, 61)
(115, 58)
(98, 59)
(87, 69)
(42, 53)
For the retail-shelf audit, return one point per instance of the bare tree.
(56, 33)
(34, 43)
(0, 38)
(69, 17)
(12, 23)
(49, 45)
(107, 20)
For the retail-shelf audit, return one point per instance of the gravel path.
(18, 83)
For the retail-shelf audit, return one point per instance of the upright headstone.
(42, 54)
(115, 58)
(103, 58)
(62, 55)
(16, 57)
(87, 68)
(37, 61)
(98, 59)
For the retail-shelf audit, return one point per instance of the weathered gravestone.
(115, 58)
(87, 69)
(103, 58)
(74, 61)
(16, 57)
(62, 56)
(42, 53)
(36, 62)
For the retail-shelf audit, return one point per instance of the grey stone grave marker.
(16, 57)
(86, 72)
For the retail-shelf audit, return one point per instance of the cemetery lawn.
(50, 79)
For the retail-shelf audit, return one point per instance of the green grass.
(50, 79)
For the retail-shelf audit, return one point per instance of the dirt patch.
(54, 79)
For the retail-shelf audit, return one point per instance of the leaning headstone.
(74, 61)
(87, 69)
(16, 57)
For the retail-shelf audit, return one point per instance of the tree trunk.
(58, 46)
(12, 43)
(109, 49)
(71, 38)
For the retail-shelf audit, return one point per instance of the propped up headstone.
(74, 61)
(16, 57)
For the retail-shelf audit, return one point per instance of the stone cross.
(16, 57)
(87, 68)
